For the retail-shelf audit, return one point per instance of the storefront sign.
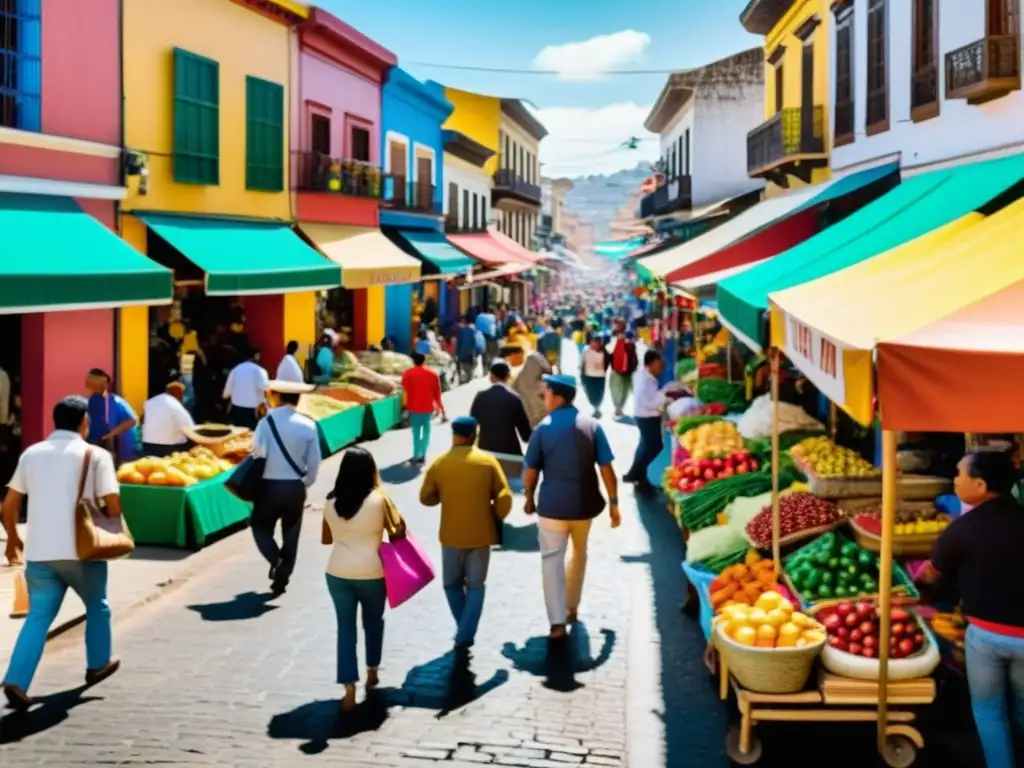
(818, 357)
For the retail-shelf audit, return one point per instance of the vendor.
(323, 360)
(980, 551)
(164, 420)
(111, 420)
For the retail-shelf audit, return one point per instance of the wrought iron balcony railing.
(791, 134)
(674, 195)
(413, 196)
(507, 181)
(316, 172)
(984, 70)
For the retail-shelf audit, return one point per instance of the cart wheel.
(732, 747)
(899, 752)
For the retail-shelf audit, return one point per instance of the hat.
(212, 434)
(500, 369)
(562, 380)
(464, 426)
(289, 387)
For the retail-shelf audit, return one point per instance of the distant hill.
(599, 198)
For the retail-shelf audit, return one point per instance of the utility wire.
(546, 72)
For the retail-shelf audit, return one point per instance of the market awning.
(768, 228)
(483, 246)
(366, 257)
(617, 249)
(439, 255)
(652, 248)
(524, 254)
(961, 373)
(55, 256)
(245, 257)
(917, 206)
(711, 279)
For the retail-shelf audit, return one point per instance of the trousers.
(464, 574)
(995, 675)
(279, 500)
(563, 586)
(48, 581)
(420, 424)
(648, 449)
(367, 596)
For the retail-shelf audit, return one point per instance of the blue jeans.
(47, 583)
(420, 423)
(369, 595)
(647, 450)
(464, 574)
(994, 663)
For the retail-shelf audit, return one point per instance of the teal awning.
(435, 250)
(53, 255)
(242, 257)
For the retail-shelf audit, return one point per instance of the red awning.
(524, 254)
(487, 248)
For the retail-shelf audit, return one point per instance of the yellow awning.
(830, 326)
(366, 256)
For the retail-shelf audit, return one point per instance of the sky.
(588, 115)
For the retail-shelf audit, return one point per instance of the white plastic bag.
(757, 420)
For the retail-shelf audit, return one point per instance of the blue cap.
(464, 426)
(561, 380)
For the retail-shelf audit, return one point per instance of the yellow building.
(477, 117)
(207, 105)
(791, 148)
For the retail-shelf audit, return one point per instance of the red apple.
(843, 609)
(709, 474)
(867, 627)
(856, 649)
(868, 651)
(851, 620)
(865, 610)
(832, 622)
(906, 646)
(838, 642)
(843, 632)
(870, 641)
(897, 630)
(856, 636)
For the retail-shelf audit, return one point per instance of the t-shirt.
(355, 553)
(163, 419)
(49, 472)
(106, 412)
(981, 551)
(422, 389)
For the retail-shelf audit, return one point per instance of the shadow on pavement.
(559, 663)
(247, 605)
(317, 722)
(400, 474)
(48, 712)
(516, 538)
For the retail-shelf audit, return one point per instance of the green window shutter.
(264, 135)
(196, 119)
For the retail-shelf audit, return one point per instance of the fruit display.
(719, 438)
(743, 583)
(950, 626)
(693, 474)
(700, 509)
(910, 521)
(797, 512)
(854, 628)
(319, 407)
(234, 449)
(718, 390)
(821, 457)
(694, 420)
(832, 567)
(178, 470)
(771, 622)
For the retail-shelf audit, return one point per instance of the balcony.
(452, 226)
(924, 93)
(675, 195)
(410, 196)
(790, 143)
(510, 186)
(984, 70)
(315, 172)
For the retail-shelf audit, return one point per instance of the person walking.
(51, 472)
(648, 402)
(569, 449)
(354, 516)
(289, 369)
(500, 413)
(246, 390)
(475, 498)
(487, 325)
(624, 365)
(550, 345)
(289, 442)
(593, 371)
(112, 421)
(422, 387)
(164, 421)
(465, 350)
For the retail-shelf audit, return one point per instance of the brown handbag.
(97, 536)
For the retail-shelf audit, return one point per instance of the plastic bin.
(701, 580)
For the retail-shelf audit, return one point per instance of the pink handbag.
(407, 569)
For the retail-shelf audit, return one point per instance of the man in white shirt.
(50, 472)
(648, 400)
(245, 388)
(164, 420)
(289, 369)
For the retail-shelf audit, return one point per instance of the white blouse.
(355, 552)
(593, 363)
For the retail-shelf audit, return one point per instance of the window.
(483, 212)
(320, 134)
(196, 119)
(1001, 17)
(465, 207)
(779, 87)
(20, 64)
(877, 118)
(264, 135)
(686, 145)
(360, 138)
(681, 149)
(453, 204)
(924, 82)
(844, 76)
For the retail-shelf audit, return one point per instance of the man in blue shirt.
(487, 324)
(112, 421)
(569, 448)
(465, 350)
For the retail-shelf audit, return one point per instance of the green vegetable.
(687, 423)
(719, 564)
(733, 396)
(699, 509)
(684, 366)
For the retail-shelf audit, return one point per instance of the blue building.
(412, 207)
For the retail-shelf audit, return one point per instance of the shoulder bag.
(97, 536)
(407, 569)
(245, 480)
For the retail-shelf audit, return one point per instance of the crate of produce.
(833, 471)
(832, 567)
(802, 516)
(918, 526)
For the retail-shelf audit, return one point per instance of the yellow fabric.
(901, 290)
(366, 256)
(471, 488)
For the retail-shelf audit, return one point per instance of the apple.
(856, 636)
(867, 628)
(865, 610)
(843, 632)
(897, 630)
(742, 468)
(870, 641)
(832, 622)
(727, 472)
(918, 639)
(856, 648)
(717, 464)
(906, 646)
(868, 651)
(851, 620)
(843, 609)
(838, 642)
(709, 474)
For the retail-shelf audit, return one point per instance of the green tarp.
(914, 208)
(246, 257)
(160, 515)
(381, 416)
(54, 255)
(340, 429)
(434, 248)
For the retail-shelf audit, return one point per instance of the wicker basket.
(767, 670)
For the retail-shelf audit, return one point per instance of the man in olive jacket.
(475, 498)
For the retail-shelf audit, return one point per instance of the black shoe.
(629, 477)
(96, 676)
(17, 699)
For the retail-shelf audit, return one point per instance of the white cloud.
(583, 141)
(587, 59)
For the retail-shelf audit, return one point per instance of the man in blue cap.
(569, 448)
(475, 498)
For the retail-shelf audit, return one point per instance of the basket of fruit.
(918, 526)
(768, 647)
(835, 472)
(832, 567)
(852, 651)
(801, 516)
(712, 439)
(692, 474)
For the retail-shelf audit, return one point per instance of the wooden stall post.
(728, 360)
(833, 420)
(773, 356)
(889, 502)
